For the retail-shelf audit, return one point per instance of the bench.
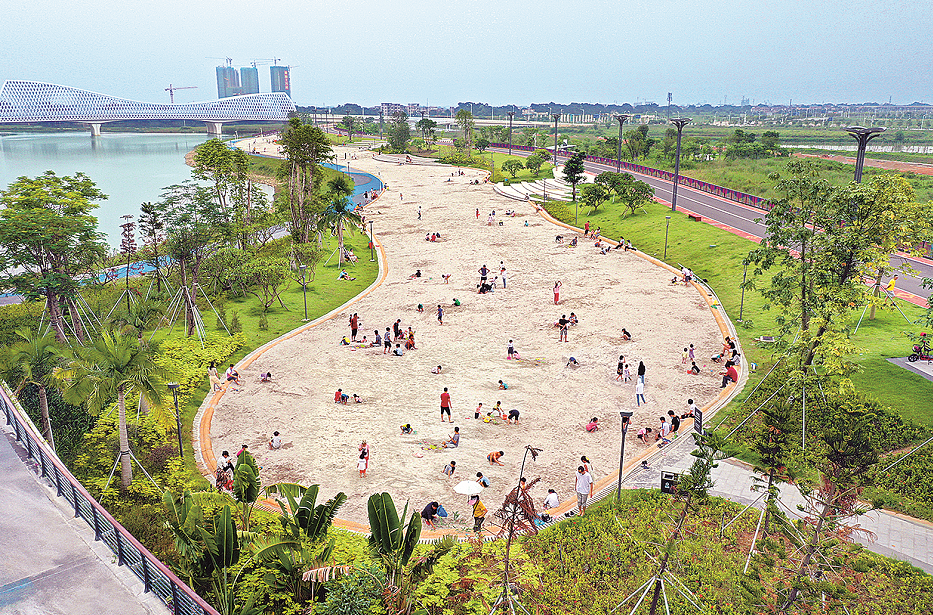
(695, 217)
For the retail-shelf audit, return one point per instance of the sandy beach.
(607, 292)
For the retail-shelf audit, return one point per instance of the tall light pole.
(862, 137)
(744, 274)
(556, 117)
(372, 243)
(680, 123)
(304, 288)
(666, 229)
(511, 115)
(626, 416)
(174, 387)
(621, 119)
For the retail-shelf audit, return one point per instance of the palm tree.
(33, 360)
(143, 314)
(342, 210)
(113, 365)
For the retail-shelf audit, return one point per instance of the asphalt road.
(742, 218)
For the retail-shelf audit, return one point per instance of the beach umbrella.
(469, 487)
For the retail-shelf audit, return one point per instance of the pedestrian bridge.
(31, 101)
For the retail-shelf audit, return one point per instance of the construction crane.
(171, 91)
(259, 61)
(229, 60)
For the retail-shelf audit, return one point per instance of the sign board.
(698, 421)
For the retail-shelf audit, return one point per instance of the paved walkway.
(51, 563)
(893, 535)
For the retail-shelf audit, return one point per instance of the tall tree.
(226, 168)
(426, 125)
(772, 444)
(191, 215)
(351, 125)
(113, 366)
(32, 361)
(151, 227)
(48, 236)
(593, 195)
(398, 133)
(305, 147)
(465, 122)
(342, 210)
(573, 172)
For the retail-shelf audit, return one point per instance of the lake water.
(130, 168)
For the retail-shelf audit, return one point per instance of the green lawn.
(716, 255)
(325, 292)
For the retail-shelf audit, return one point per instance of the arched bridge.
(32, 101)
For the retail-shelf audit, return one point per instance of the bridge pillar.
(214, 128)
(95, 128)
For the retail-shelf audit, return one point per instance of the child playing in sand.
(684, 356)
(407, 430)
(495, 456)
(276, 441)
(357, 399)
(503, 386)
(266, 377)
(479, 409)
(593, 425)
(450, 468)
(436, 370)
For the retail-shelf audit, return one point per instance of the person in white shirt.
(276, 441)
(664, 433)
(584, 488)
(640, 392)
(551, 501)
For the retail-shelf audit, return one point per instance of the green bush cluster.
(187, 361)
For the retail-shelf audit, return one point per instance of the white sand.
(606, 292)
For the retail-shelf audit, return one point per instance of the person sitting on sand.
(357, 399)
(593, 425)
(503, 386)
(573, 318)
(626, 335)
(446, 277)
(482, 480)
(559, 239)
(407, 430)
(456, 302)
(420, 308)
(267, 377)
(416, 274)
(449, 469)
(495, 456)
(572, 362)
(344, 341)
(398, 351)
(436, 370)
(232, 375)
(454, 440)
(276, 441)
(693, 368)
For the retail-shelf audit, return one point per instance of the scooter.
(921, 350)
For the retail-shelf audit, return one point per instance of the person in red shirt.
(730, 375)
(445, 405)
(339, 397)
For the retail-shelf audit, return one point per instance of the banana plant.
(246, 486)
(301, 512)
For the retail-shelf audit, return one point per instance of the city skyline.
(372, 52)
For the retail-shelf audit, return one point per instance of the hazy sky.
(499, 52)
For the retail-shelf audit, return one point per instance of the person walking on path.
(557, 286)
(445, 405)
(584, 489)
(640, 392)
(479, 513)
(440, 315)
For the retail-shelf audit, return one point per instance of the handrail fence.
(155, 575)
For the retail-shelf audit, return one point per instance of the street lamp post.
(511, 115)
(372, 243)
(666, 229)
(304, 289)
(621, 119)
(626, 416)
(862, 137)
(174, 387)
(556, 117)
(680, 123)
(744, 273)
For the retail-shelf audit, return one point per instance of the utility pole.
(511, 115)
(556, 117)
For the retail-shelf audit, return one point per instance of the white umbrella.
(469, 487)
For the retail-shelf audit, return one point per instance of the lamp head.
(173, 385)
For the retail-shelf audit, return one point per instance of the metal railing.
(696, 184)
(155, 575)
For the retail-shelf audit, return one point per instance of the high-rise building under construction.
(281, 80)
(228, 82)
(249, 80)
